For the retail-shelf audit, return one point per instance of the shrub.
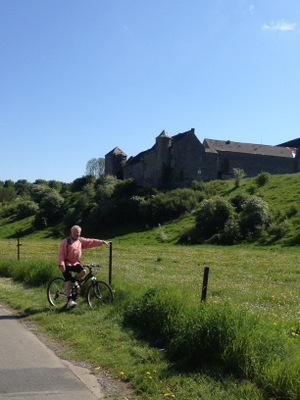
(7, 194)
(27, 209)
(293, 210)
(161, 236)
(212, 216)
(254, 214)
(238, 200)
(197, 185)
(232, 232)
(79, 183)
(39, 191)
(170, 205)
(262, 178)
(238, 175)
(279, 229)
(51, 208)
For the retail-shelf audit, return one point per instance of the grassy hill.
(281, 193)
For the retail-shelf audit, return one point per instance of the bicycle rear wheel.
(56, 293)
(99, 293)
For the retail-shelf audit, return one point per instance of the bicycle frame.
(90, 275)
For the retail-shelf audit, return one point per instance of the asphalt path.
(30, 370)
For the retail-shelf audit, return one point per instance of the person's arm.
(89, 243)
(62, 253)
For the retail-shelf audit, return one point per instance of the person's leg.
(68, 277)
(68, 289)
(80, 274)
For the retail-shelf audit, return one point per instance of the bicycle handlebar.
(93, 266)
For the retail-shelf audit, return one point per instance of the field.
(259, 282)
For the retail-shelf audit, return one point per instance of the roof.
(174, 139)
(249, 148)
(291, 143)
(116, 151)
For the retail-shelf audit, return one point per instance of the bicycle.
(98, 293)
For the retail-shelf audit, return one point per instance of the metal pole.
(110, 262)
(205, 282)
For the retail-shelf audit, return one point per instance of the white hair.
(75, 227)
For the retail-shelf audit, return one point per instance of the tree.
(7, 194)
(51, 209)
(95, 167)
(22, 187)
(9, 183)
(238, 174)
(78, 184)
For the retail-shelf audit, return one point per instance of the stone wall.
(253, 164)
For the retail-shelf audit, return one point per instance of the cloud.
(280, 26)
(251, 8)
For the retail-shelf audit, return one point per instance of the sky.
(81, 77)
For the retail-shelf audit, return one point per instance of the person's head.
(75, 231)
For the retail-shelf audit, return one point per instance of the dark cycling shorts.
(72, 268)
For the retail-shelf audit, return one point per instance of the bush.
(262, 178)
(27, 209)
(39, 191)
(238, 174)
(279, 229)
(212, 216)
(7, 194)
(232, 232)
(51, 209)
(170, 205)
(238, 200)
(254, 214)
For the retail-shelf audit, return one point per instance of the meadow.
(245, 337)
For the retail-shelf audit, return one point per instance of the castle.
(178, 160)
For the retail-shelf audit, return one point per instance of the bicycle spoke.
(56, 293)
(99, 294)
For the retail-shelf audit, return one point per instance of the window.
(199, 171)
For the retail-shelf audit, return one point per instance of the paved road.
(29, 370)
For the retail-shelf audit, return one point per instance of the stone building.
(178, 160)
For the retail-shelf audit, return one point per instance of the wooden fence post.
(205, 283)
(18, 246)
(110, 263)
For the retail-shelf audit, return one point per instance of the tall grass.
(247, 334)
(34, 273)
(216, 335)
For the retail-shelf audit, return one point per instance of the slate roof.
(291, 143)
(248, 148)
(116, 151)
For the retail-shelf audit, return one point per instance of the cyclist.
(69, 255)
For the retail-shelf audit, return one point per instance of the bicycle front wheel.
(99, 293)
(56, 293)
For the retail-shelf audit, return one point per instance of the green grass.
(252, 313)
(262, 283)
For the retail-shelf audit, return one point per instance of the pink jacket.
(70, 255)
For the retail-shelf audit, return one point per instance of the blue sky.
(80, 77)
